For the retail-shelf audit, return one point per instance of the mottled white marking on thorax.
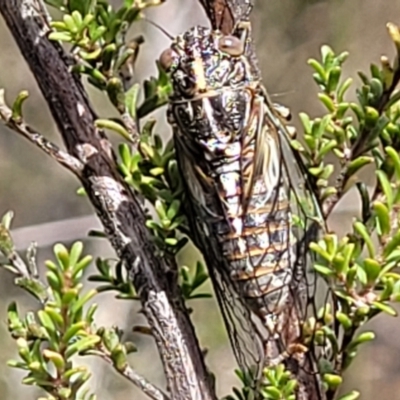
(242, 245)
(237, 225)
(233, 150)
(259, 186)
(230, 167)
(208, 112)
(263, 240)
(230, 183)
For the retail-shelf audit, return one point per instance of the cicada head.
(203, 61)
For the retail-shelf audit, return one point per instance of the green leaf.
(342, 89)
(333, 79)
(75, 253)
(272, 392)
(375, 72)
(372, 269)
(327, 147)
(317, 248)
(371, 116)
(116, 93)
(89, 317)
(60, 37)
(393, 100)
(386, 187)
(362, 230)
(76, 308)
(363, 337)
(392, 245)
(98, 33)
(365, 201)
(386, 308)
(80, 266)
(327, 55)
(323, 270)
(83, 344)
(47, 322)
(131, 97)
(77, 17)
(394, 156)
(157, 171)
(55, 315)
(160, 209)
(353, 395)
(201, 275)
(171, 241)
(6, 220)
(70, 24)
(173, 209)
(113, 126)
(56, 358)
(376, 88)
(305, 120)
(332, 380)
(358, 163)
(17, 105)
(327, 101)
(87, 20)
(383, 217)
(69, 295)
(73, 330)
(344, 320)
(6, 242)
(62, 255)
(318, 68)
(54, 281)
(125, 154)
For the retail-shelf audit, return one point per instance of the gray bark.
(116, 206)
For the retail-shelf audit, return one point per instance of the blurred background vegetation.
(287, 33)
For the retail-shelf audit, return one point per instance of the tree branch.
(119, 211)
(226, 15)
(52, 150)
(128, 373)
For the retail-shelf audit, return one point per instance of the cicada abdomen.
(250, 211)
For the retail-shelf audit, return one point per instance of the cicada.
(248, 200)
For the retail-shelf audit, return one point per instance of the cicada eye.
(167, 59)
(231, 45)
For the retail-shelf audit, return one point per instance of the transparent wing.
(282, 203)
(244, 335)
(296, 171)
(306, 213)
(246, 340)
(308, 292)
